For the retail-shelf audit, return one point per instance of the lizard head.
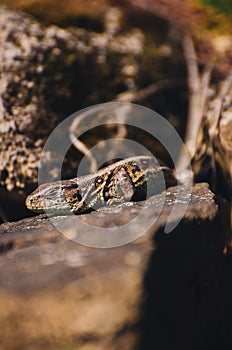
(53, 198)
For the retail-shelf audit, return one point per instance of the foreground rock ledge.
(55, 293)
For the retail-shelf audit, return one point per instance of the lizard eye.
(99, 180)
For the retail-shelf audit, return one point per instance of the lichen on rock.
(47, 73)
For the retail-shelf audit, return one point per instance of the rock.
(48, 73)
(158, 290)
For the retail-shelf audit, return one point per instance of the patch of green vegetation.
(224, 6)
(217, 16)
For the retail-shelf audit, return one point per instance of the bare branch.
(194, 85)
(198, 92)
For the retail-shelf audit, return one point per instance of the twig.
(205, 80)
(215, 115)
(194, 84)
(151, 89)
(120, 115)
(198, 88)
(81, 147)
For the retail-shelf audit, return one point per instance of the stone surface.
(157, 291)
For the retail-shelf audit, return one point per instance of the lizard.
(131, 179)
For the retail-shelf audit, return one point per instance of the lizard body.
(131, 179)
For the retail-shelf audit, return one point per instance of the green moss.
(217, 18)
(224, 6)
